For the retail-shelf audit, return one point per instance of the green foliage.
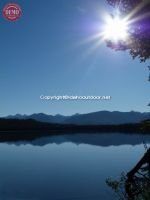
(145, 126)
(118, 186)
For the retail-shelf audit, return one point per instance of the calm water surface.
(68, 167)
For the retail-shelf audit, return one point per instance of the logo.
(12, 11)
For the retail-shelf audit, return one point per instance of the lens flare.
(115, 29)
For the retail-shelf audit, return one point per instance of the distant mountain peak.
(94, 118)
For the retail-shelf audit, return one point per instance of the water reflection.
(99, 139)
(69, 167)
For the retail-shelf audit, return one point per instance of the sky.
(48, 51)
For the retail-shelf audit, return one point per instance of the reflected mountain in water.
(66, 167)
(103, 139)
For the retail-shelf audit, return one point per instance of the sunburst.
(115, 28)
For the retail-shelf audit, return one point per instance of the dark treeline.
(14, 129)
(30, 124)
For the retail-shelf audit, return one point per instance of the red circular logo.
(12, 12)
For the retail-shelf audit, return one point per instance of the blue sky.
(45, 53)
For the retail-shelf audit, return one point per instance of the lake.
(67, 167)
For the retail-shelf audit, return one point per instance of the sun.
(115, 29)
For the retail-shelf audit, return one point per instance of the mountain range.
(94, 118)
